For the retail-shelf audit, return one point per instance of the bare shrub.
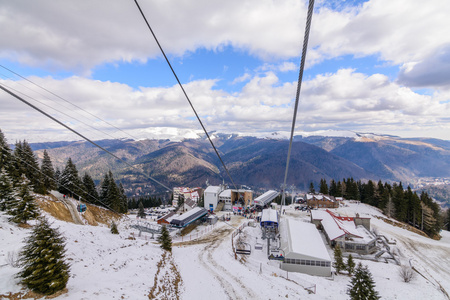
(406, 273)
(12, 259)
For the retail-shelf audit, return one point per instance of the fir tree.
(338, 260)
(113, 194)
(91, 194)
(69, 180)
(58, 179)
(333, 188)
(362, 285)
(114, 229)
(43, 260)
(27, 163)
(25, 208)
(165, 239)
(448, 219)
(311, 188)
(48, 172)
(123, 199)
(7, 200)
(350, 265)
(6, 156)
(141, 212)
(104, 190)
(323, 189)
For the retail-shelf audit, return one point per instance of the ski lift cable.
(80, 135)
(297, 96)
(67, 101)
(59, 111)
(184, 92)
(81, 189)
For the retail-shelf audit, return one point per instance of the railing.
(193, 236)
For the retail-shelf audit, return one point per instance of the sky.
(376, 66)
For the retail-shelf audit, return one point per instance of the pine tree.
(43, 260)
(7, 199)
(311, 188)
(90, 194)
(123, 200)
(48, 172)
(333, 188)
(448, 219)
(165, 239)
(141, 212)
(113, 194)
(350, 265)
(6, 156)
(69, 180)
(25, 208)
(58, 179)
(104, 190)
(338, 260)
(323, 189)
(27, 163)
(114, 229)
(390, 208)
(362, 285)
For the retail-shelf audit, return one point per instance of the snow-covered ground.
(107, 266)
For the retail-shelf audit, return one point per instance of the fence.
(195, 235)
(236, 232)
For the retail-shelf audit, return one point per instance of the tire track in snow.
(227, 281)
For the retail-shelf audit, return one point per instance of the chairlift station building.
(229, 197)
(304, 249)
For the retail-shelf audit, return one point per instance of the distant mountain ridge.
(258, 162)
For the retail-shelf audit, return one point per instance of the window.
(360, 247)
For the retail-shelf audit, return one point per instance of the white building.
(214, 195)
(352, 234)
(225, 197)
(211, 196)
(304, 249)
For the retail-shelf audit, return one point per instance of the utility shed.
(188, 217)
(304, 249)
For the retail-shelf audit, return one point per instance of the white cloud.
(432, 71)
(345, 100)
(398, 31)
(78, 35)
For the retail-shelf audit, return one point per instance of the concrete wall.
(362, 221)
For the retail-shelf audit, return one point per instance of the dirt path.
(73, 210)
(167, 282)
(232, 286)
(210, 258)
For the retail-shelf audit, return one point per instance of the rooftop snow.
(334, 226)
(226, 193)
(212, 189)
(266, 198)
(269, 215)
(303, 238)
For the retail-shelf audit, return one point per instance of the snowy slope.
(106, 266)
